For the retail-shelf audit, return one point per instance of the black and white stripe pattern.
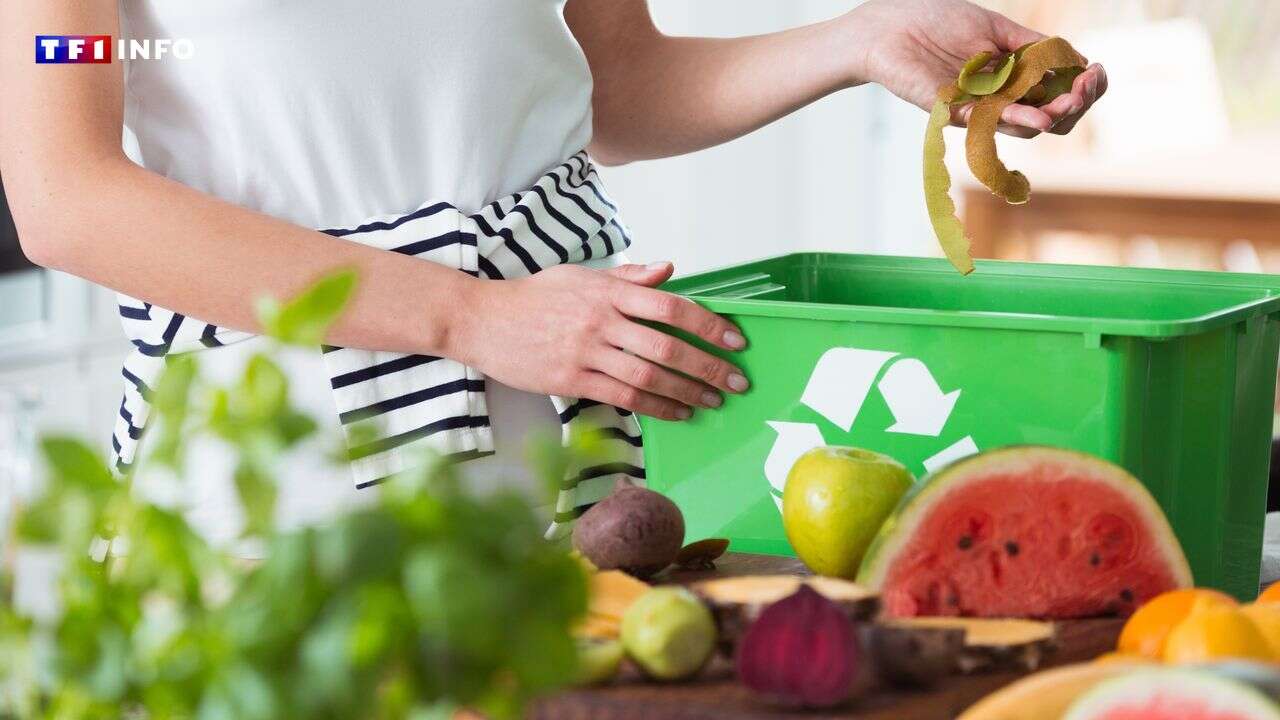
(412, 400)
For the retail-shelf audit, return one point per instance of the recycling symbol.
(841, 381)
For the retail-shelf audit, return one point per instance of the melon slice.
(1024, 532)
(1048, 694)
(1173, 694)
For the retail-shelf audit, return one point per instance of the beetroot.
(635, 530)
(801, 651)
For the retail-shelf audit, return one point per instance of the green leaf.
(172, 400)
(41, 522)
(258, 496)
(74, 463)
(263, 391)
(305, 320)
(107, 679)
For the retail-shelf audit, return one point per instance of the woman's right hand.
(573, 331)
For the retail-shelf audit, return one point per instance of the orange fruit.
(1267, 617)
(1271, 594)
(1216, 632)
(1121, 657)
(1146, 630)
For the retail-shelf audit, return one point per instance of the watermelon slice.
(1024, 532)
(1172, 694)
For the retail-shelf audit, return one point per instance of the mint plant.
(431, 599)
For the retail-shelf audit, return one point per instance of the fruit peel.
(701, 555)
(1036, 62)
(956, 245)
(973, 81)
(1035, 73)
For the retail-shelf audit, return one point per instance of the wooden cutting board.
(715, 694)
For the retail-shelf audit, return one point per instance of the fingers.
(1023, 124)
(678, 312)
(670, 352)
(1011, 36)
(606, 389)
(649, 377)
(651, 275)
(1085, 91)
(1061, 115)
(1028, 117)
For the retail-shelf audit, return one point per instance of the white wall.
(842, 175)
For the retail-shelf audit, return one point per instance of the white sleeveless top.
(326, 112)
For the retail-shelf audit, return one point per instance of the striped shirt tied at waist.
(417, 401)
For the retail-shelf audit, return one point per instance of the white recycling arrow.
(960, 449)
(841, 381)
(918, 404)
(794, 440)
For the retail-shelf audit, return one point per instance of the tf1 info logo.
(96, 49)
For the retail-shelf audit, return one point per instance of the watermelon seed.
(1126, 595)
(953, 601)
(1011, 547)
(1095, 560)
(965, 542)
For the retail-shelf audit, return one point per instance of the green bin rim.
(702, 287)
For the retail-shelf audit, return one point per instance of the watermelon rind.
(899, 529)
(1219, 696)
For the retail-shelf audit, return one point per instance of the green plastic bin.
(1171, 374)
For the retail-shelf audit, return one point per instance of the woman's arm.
(81, 206)
(657, 95)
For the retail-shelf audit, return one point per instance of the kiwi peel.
(1035, 74)
(975, 82)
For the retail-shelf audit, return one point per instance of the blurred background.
(1175, 168)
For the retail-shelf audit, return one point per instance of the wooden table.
(1221, 194)
(715, 694)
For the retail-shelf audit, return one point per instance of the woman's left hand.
(915, 47)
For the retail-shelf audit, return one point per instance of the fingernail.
(738, 383)
(1091, 85)
(711, 399)
(684, 413)
(734, 339)
(656, 266)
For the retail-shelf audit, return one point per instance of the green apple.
(598, 660)
(669, 633)
(835, 501)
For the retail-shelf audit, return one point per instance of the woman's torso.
(327, 112)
